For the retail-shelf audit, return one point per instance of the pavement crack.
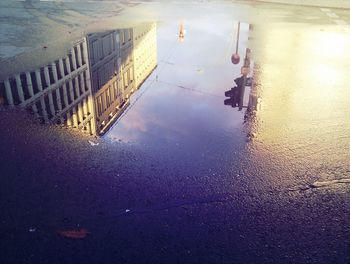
(319, 184)
(220, 198)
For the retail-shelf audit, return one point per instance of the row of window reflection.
(144, 33)
(55, 72)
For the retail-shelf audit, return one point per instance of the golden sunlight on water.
(303, 80)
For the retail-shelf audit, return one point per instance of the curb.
(340, 4)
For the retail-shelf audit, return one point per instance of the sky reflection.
(182, 101)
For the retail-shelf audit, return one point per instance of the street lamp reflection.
(182, 32)
(235, 58)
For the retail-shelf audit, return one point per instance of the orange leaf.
(74, 233)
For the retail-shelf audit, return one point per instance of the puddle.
(147, 81)
(147, 115)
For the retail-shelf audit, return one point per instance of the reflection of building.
(117, 72)
(145, 51)
(89, 87)
(57, 92)
(127, 63)
(104, 55)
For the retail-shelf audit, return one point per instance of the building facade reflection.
(89, 87)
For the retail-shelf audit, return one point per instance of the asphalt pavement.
(183, 178)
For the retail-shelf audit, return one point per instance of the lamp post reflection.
(182, 32)
(235, 59)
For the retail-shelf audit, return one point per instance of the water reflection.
(304, 121)
(182, 32)
(90, 86)
(183, 106)
(241, 95)
(237, 94)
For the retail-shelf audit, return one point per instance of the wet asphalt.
(183, 178)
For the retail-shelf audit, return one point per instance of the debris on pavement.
(93, 143)
(78, 233)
